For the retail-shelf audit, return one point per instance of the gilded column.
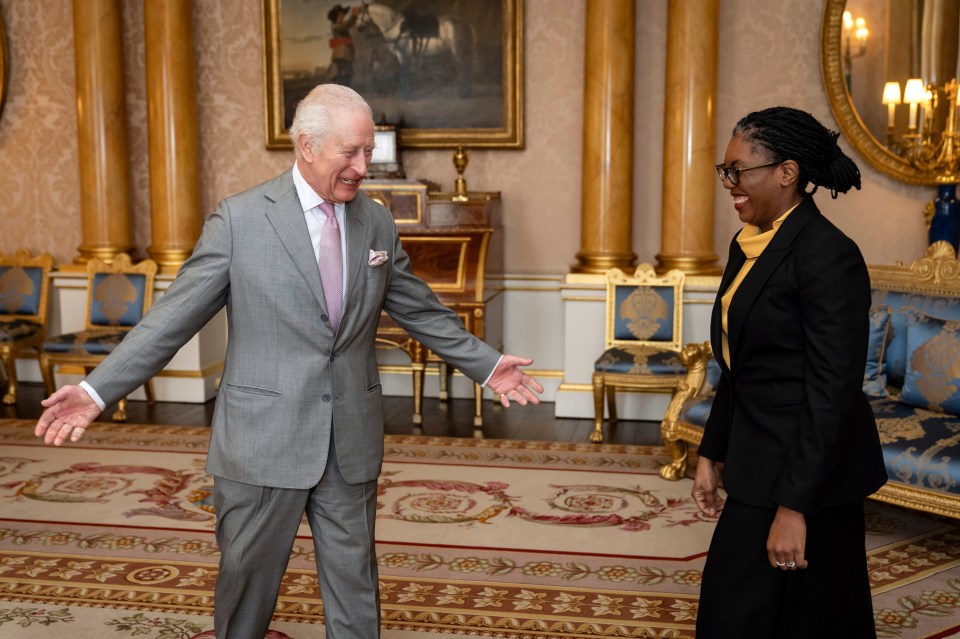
(172, 139)
(105, 208)
(689, 148)
(606, 226)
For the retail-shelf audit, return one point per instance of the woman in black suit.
(789, 423)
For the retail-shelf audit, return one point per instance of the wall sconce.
(925, 147)
(913, 94)
(891, 97)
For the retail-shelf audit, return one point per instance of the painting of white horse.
(422, 44)
(446, 72)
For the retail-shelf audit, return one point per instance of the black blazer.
(790, 419)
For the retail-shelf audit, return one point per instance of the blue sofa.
(912, 379)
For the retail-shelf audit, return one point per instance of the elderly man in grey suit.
(298, 425)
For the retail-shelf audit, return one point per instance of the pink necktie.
(331, 265)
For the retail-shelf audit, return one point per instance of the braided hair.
(791, 134)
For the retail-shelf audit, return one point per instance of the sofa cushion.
(696, 410)
(933, 363)
(874, 379)
(895, 359)
(919, 446)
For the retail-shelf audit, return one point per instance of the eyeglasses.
(732, 173)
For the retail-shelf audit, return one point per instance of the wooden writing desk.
(455, 247)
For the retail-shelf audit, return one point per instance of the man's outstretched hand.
(511, 383)
(69, 411)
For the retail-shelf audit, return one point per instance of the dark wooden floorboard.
(442, 419)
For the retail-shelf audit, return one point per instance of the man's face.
(336, 169)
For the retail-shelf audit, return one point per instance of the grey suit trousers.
(256, 528)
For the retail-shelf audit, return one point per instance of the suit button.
(325, 398)
(332, 358)
(324, 318)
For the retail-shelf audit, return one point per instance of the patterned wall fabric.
(933, 363)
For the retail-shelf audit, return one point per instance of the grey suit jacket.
(287, 379)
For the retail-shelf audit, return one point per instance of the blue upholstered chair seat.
(919, 446)
(84, 343)
(18, 329)
(640, 360)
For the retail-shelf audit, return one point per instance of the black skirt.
(742, 596)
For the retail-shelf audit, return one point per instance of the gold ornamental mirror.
(890, 72)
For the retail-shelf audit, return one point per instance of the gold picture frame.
(468, 93)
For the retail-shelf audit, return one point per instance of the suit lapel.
(766, 264)
(734, 264)
(357, 252)
(285, 213)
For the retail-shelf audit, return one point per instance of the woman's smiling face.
(762, 194)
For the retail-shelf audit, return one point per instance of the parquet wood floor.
(444, 419)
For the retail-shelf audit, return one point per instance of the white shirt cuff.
(484, 384)
(93, 394)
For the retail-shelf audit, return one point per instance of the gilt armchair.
(118, 296)
(24, 292)
(643, 337)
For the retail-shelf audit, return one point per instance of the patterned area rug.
(489, 538)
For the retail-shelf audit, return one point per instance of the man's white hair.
(314, 115)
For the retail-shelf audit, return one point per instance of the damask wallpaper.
(540, 185)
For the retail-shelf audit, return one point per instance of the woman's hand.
(787, 540)
(704, 491)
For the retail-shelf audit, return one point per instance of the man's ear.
(789, 172)
(306, 149)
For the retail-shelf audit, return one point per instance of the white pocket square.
(377, 258)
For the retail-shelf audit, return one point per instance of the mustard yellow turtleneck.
(752, 242)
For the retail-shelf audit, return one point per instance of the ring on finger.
(780, 564)
(791, 564)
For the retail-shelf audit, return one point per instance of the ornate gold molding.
(938, 268)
